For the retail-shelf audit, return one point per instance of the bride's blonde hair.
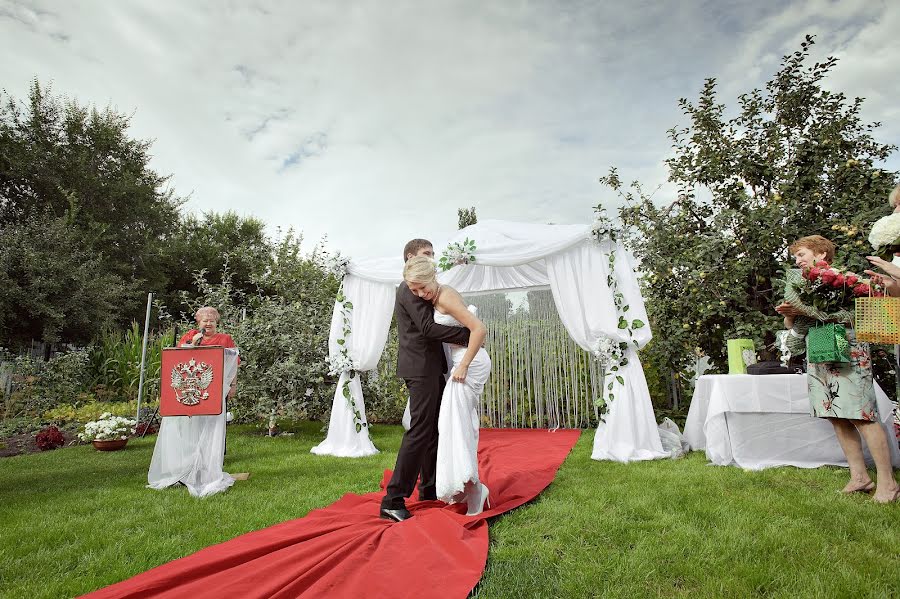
(420, 269)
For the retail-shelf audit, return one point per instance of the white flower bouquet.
(608, 352)
(603, 227)
(458, 253)
(885, 235)
(340, 363)
(108, 428)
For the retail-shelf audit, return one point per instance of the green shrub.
(283, 348)
(92, 411)
(282, 333)
(39, 386)
(115, 363)
(19, 425)
(385, 394)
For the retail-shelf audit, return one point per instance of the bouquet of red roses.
(831, 290)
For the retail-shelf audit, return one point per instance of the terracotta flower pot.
(111, 445)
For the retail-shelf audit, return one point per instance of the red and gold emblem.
(190, 380)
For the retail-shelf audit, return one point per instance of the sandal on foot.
(893, 498)
(867, 488)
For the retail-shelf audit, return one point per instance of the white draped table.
(761, 421)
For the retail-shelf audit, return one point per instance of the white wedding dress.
(458, 423)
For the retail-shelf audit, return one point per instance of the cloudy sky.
(372, 122)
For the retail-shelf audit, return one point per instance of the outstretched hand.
(890, 268)
(788, 309)
(889, 283)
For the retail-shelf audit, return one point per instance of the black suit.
(421, 364)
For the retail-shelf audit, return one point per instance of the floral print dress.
(836, 390)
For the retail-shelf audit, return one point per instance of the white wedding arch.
(567, 259)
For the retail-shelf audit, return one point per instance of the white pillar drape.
(578, 281)
(370, 319)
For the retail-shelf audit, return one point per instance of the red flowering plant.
(50, 438)
(831, 290)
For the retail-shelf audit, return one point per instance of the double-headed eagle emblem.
(190, 381)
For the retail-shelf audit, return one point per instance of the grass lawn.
(74, 519)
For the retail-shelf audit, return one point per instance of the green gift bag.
(827, 343)
(741, 353)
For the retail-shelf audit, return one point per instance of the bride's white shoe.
(476, 504)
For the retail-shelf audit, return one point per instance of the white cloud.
(373, 122)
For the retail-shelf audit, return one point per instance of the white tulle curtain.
(515, 256)
(370, 319)
(578, 281)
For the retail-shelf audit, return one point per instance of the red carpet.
(346, 550)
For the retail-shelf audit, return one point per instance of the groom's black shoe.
(397, 515)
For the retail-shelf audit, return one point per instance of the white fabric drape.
(578, 281)
(514, 256)
(191, 449)
(370, 319)
(458, 427)
(498, 243)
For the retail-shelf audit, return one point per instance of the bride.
(457, 478)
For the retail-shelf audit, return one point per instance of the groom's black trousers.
(418, 450)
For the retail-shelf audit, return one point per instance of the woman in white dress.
(457, 478)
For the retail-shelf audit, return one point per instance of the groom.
(421, 364)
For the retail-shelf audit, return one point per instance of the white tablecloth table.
(761, 421)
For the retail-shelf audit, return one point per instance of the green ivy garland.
(343, 362)
(609, 353)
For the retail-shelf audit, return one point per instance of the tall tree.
(51, 287)
(63, 159)
(795, 160)
(211, 242)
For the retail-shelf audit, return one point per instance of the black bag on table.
(773, 367)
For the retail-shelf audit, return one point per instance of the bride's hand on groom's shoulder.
(459, 373)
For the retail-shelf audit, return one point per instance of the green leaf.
(621, 380)
(609, 386)
(341, 341)
(637, 324)
(358, 427)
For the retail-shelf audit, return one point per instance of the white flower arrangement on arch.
(608, 352)
(337, 265)
(458, 253)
